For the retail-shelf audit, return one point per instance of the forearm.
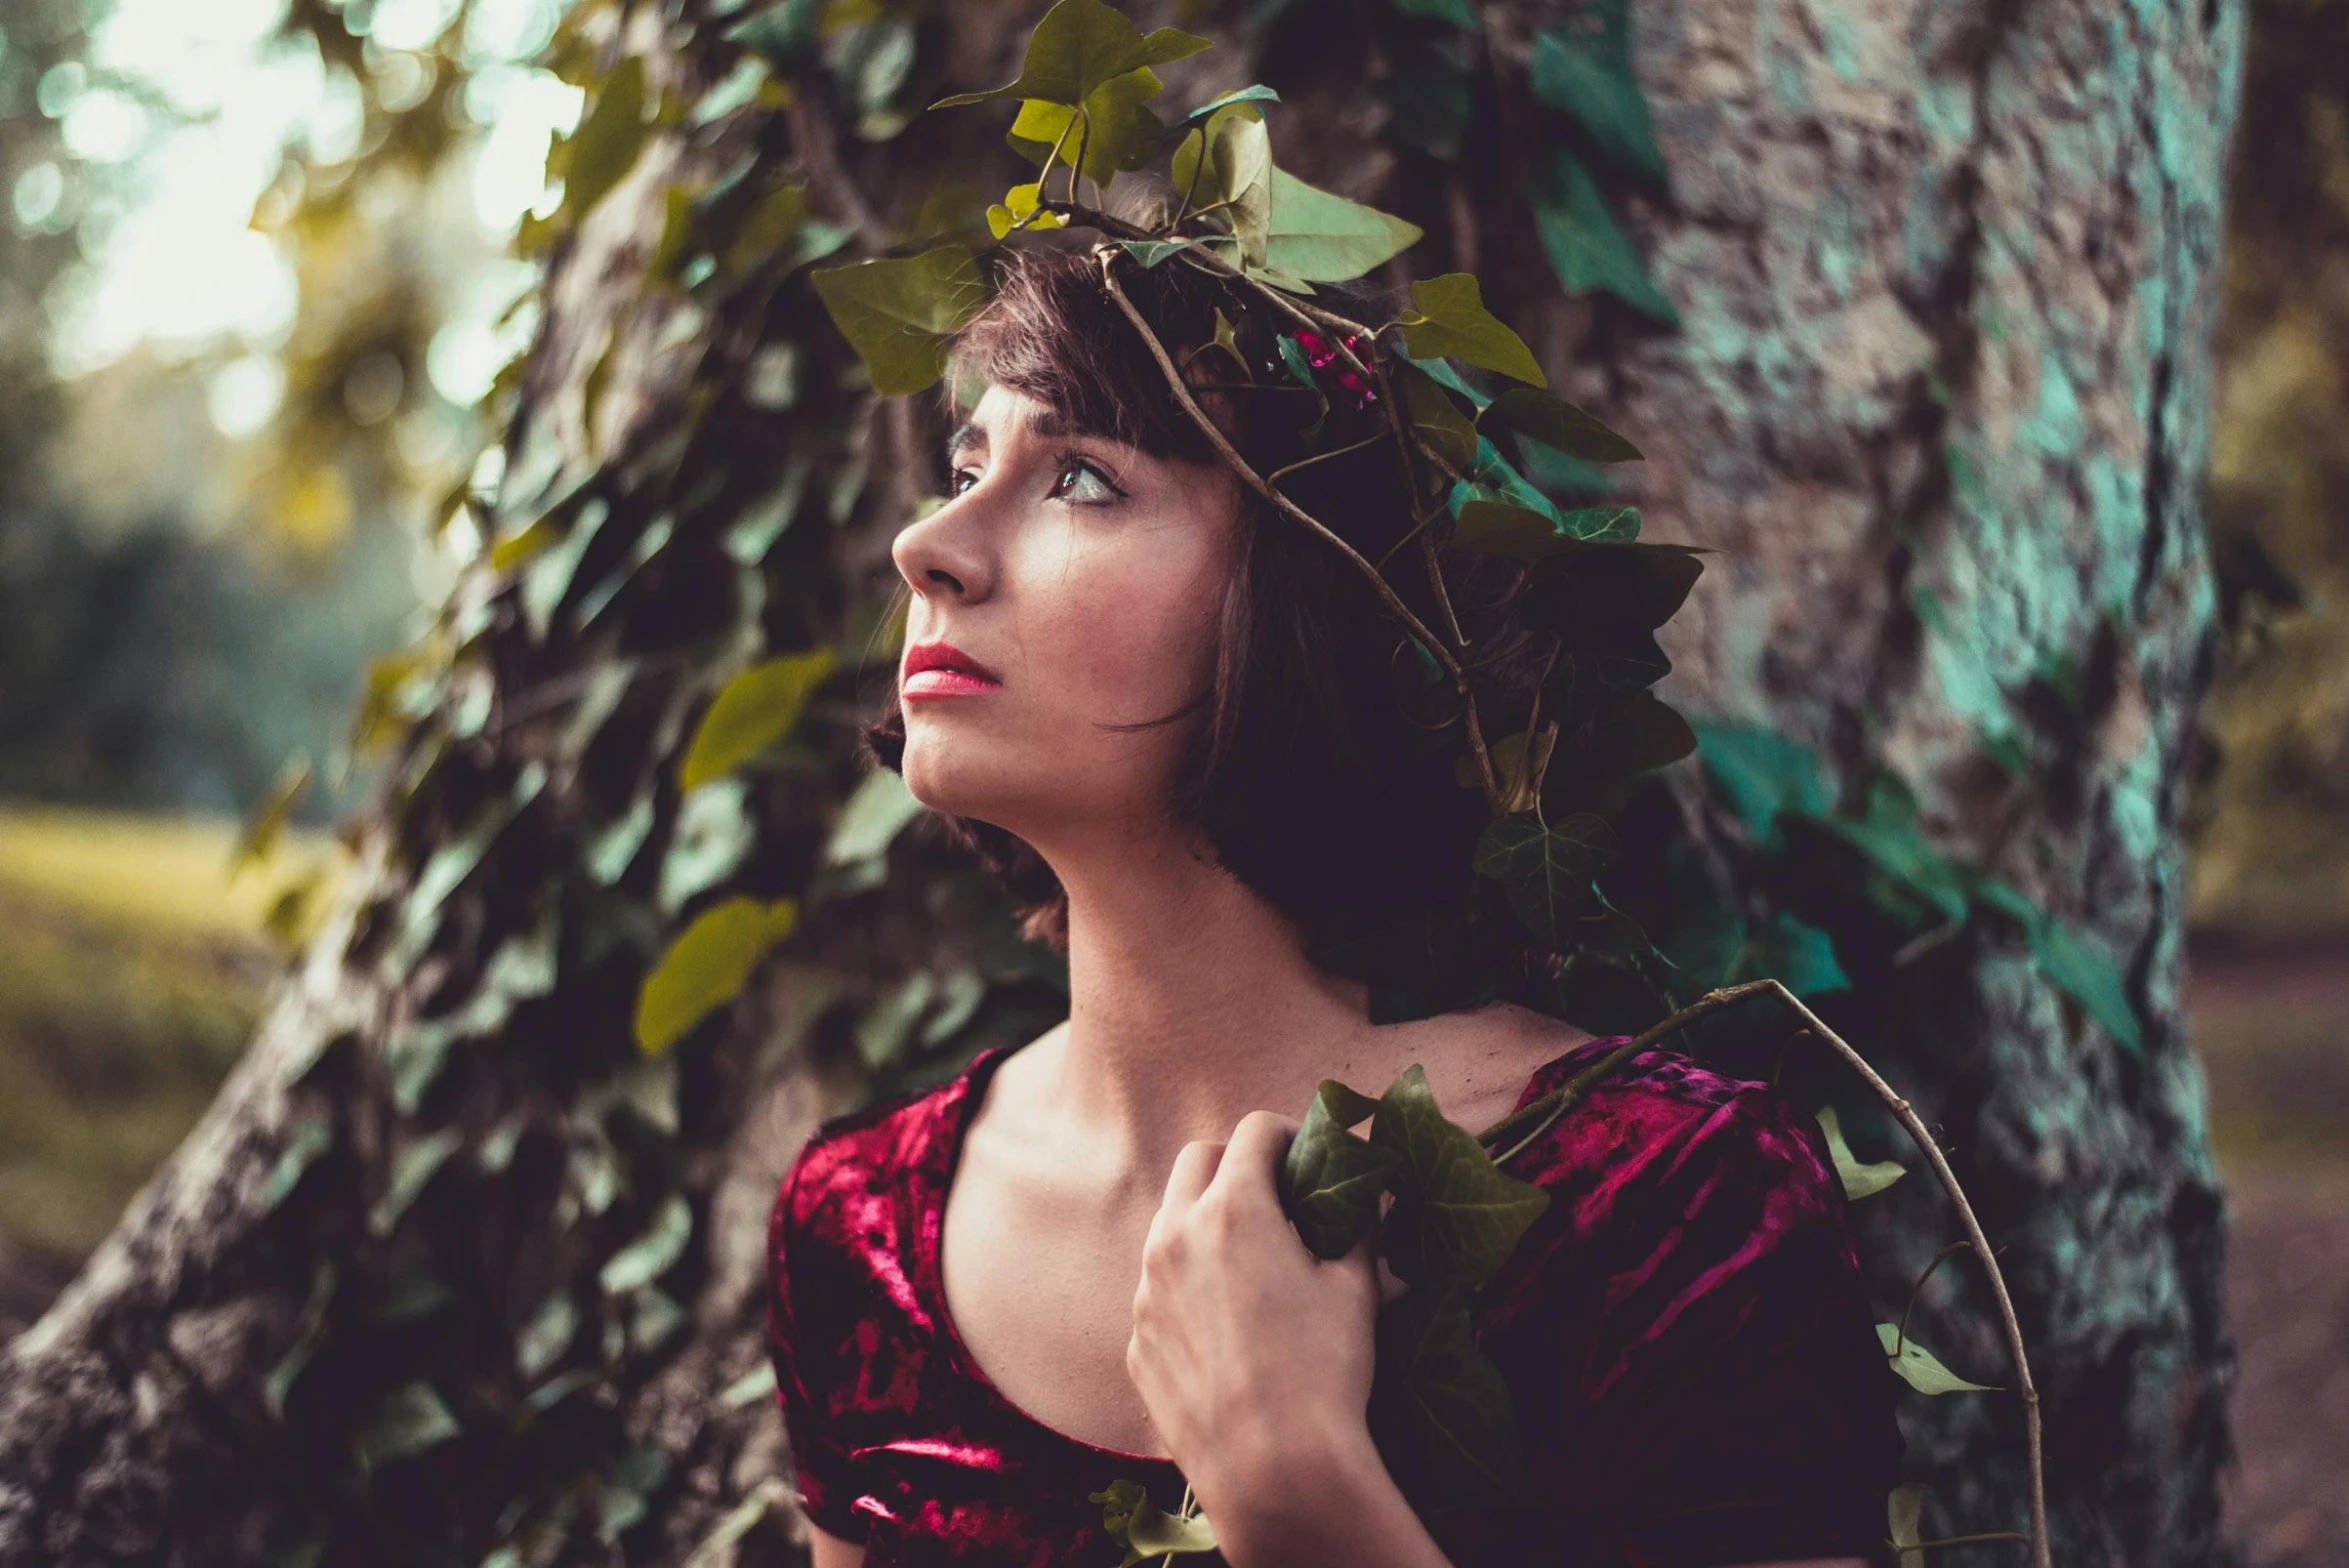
(1333, 1504)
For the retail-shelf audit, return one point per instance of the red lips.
(940, 669)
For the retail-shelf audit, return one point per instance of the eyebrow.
(1045, 423)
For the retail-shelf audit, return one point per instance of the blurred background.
(260, 264)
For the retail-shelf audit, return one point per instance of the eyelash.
(1062, 463)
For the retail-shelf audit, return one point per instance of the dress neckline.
(929, 1269)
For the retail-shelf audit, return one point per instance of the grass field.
(132, 972)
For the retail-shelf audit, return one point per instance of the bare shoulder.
(1479, 1062)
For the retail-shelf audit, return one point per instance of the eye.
(1073, 465)
(953, 486)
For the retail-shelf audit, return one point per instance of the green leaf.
(1457, 1216)
(882, 1032)
(871, 819)
(1554, 422)
(1460, 13)
(1118, 131)
(1322, 237)
(547, 1335)
(1607, 665)
(1300, 369)
(1434, 416)
(751, 712)
(607, 142)
(412, 1171)
(651, 1254)
(1255, 92)
(1449, 379)
(266, 825)
(783, 33)
(1760, 773)
(1904, 1512)
(1889, 836)
(1578, 586)
(707, 965)
(1459, 1402)
(1077, 46)
(1557, 473)
(1793, 952)
(1587, 74)
(1922, 1369)
(2090, 979)
(1227, 162)
(1859, 1181)
(1154, 1532)
(1546, 871)
(1448, 317)
(409, 1420)
(897, 313)
(1488, 527)
(1586, 246)
(311, 1136)
(1331, 1179)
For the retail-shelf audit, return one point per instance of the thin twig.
(1275, 476)
(1554, 1104)
(1900, 1335)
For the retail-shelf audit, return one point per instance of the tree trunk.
(1945, 278)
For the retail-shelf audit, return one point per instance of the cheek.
(1130, 624)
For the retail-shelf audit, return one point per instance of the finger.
(1194, 1167)
(1258, 1146)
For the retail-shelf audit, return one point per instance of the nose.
(945, 554)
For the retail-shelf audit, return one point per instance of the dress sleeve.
(800, 1366)
(1744, 1404)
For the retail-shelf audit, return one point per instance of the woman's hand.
(1253, 1356)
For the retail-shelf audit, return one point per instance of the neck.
(1191, 1003)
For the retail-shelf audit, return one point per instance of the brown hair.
(1311, 784)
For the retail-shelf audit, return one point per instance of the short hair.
(1311, 783)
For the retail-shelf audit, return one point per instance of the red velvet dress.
(1685, 1330)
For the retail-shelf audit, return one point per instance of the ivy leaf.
(2090, 979)
(1889, 836)
(1761, 773)
(1227, 161)
(1300, 368)
(1077, 46)
(258, 839)
(1639, 736)
(897, 312)
(1448, 317)
(1459, 1402)
(1546, 871)
(650, 1255)
(1859, 1181)
(750, 713)
(1018, 210)
(1586, 246)
(1489, 527)
(872, 818)
(1517, 768)
(1606, 666)
(1119, 132)
(1460, 13)
(1434, 416)
(1904, 1512)
(409, 1420)
(1457, 1216)
(1554, 422)
(1321, 237)
(1796, 953)
(1143, 1528)
(707, 966)
(1587, 74)
(1922, 1369)
(1448, 378)
(606, 145)
(1330, 1178)
(1255, 92)
(1577, 586)
(411, 1173)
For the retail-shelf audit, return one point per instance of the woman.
(1163, 714)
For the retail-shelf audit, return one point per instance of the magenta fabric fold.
(1685, 1331)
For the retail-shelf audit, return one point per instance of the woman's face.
(1086, 578)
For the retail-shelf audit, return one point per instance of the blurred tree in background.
(2272, 857)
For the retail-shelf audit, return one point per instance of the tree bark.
(1946, 277)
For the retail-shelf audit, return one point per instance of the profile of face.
(1083, 579)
